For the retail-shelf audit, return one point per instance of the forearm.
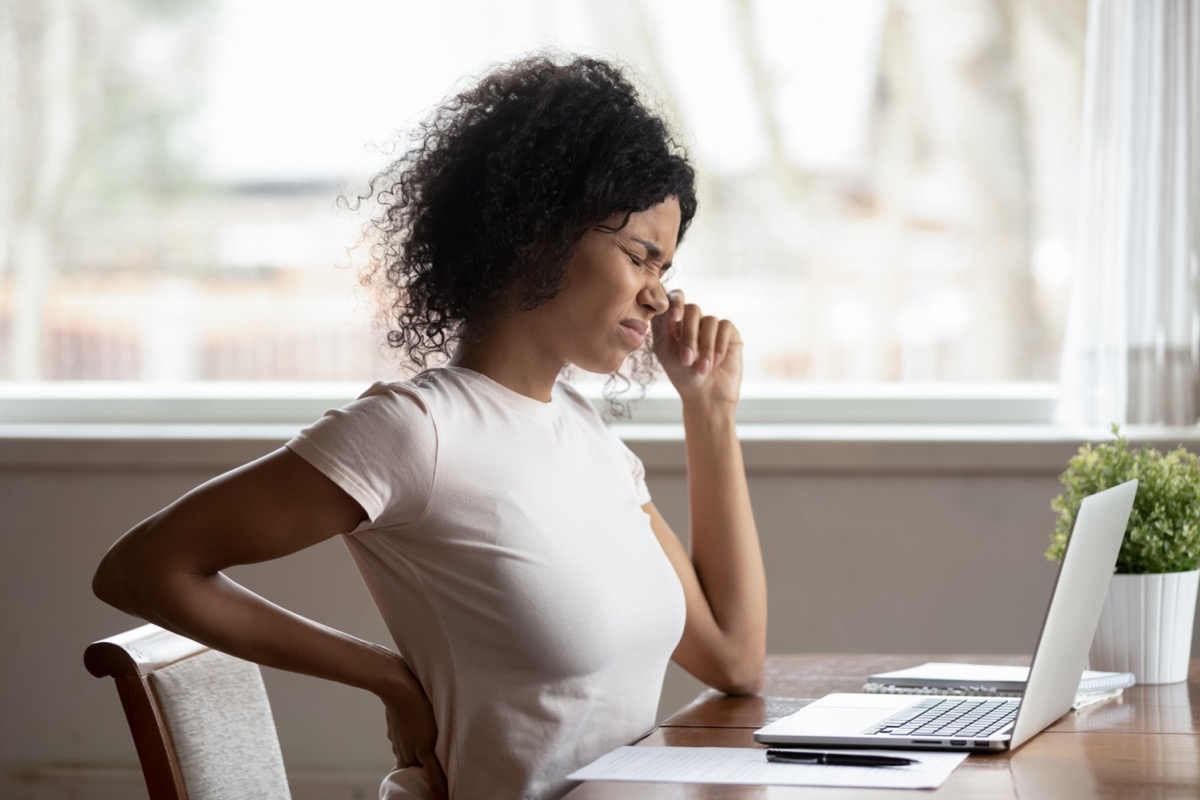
(725, 549)
(214, 610)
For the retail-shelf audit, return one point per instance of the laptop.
(983, 724)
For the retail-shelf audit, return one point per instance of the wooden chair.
(200, 719)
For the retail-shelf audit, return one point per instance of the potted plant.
(1146, 625)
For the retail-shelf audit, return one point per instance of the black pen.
(787, 756)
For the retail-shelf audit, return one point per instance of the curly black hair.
(500, 183)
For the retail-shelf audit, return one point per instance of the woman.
(534, 592)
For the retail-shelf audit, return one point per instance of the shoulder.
(576, 403)
(605, 439)
(400, 395)
(381, 415)
(381, 449)
(383, 406)
(421, 394)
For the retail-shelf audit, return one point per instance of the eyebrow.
(654, 250)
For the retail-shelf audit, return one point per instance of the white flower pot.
(1146, 626)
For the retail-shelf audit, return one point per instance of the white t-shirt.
(509, 555)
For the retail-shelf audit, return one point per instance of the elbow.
(138, 576)
(742, 675)
(733, 665)
(122, 575)
(746, 683)
(108, 583)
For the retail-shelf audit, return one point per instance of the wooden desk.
(1146, 744)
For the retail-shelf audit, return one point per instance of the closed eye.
(653, 252)
(637, 260)
(662, 271)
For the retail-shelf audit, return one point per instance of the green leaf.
(1163, 534)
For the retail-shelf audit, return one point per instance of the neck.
(512, 361)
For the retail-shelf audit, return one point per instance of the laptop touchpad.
(828, 720)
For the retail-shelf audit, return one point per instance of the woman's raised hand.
(702, 355)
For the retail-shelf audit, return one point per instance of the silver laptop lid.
(1074, 610)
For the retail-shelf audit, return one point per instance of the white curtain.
(1132, 347)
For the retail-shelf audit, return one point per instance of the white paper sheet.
(749, 766)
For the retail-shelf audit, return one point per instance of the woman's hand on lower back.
(412, 728)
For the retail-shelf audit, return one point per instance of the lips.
(636, 330)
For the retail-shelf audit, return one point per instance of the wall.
(875, 540)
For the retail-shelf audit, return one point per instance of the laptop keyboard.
(966, 716)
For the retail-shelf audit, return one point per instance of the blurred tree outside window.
(887, 186)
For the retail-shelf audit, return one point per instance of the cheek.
(596, 298)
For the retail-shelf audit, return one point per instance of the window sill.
(237, 403)
(894, 428)
(768, 448)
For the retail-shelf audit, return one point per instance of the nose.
(654, 297)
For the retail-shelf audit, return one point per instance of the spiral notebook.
(946, 678)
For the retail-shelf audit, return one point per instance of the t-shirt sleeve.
(638, 470)
(381, 450)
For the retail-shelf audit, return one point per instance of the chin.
(596, 370)
(602, 366)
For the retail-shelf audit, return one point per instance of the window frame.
(299, 403)
(1003, 430)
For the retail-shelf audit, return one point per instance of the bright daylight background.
(887, 185)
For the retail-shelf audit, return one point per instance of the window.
(887, 187)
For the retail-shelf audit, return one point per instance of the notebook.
(987, 723)
(938, 677)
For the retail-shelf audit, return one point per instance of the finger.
(438, 786)
(689, 331)
(727, 337)
(676, 304)
(405, 754)
(665, 326)
(397, 748)
(706, 340)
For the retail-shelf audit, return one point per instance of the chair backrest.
(200, 719)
